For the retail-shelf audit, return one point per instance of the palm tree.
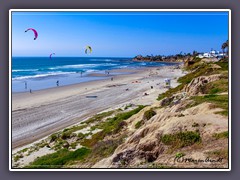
(225, 46)
(195, 53)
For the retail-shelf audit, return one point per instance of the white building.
(211, 54)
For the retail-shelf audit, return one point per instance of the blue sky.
(117, 34)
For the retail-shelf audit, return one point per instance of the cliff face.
(188, 129)
(145, 146)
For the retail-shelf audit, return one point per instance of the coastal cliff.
(188, 128)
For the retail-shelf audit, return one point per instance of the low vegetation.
(17, 157)
(179, 155)
(149, 114)
(95, 148)
(99, 117)
(181, 139)
(159, 166)
(202, 69)
(221, 135)
(221, 153)
(103, 149)
(139, 124)
(170, 92)
(218, 101)
(59, 158)
(110, 126)
(215, 87)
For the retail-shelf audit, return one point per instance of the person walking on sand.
(25, 85)
(111, 78)
(57, 83)
(30, 91)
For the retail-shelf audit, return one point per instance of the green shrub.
(53, 137)
(220, 101)
(216, 87)
(149, 114)
(59, 158)
(221, 135)
(67, 129)
(139, 124)
(181, 139)
(110, 126)
(73, 145)
(179, 155)
(81, 135)
(66, 135)
(224, 65)
(128, 106)
(17, 157)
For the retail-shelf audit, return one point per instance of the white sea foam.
(122, 67)
(90, 70)
(75, 66)
(22, 70)
(42, 75)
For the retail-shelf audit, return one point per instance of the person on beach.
(57, 83)
(111, 78)
(25, 85)
(30, 91)
(151, 87)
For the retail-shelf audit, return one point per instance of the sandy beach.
(44, 112)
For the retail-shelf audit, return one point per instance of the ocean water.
(37, 73)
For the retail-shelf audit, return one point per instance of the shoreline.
(44, 112)
(96, 76)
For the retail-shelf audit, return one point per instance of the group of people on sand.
(30, 90)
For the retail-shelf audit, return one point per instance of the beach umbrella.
(88, 49)
(34, 31)
(51, 55)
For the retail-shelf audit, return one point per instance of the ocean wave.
(75, 66)
(23, 70)
(104, 60)
(83, 66)
(90, 70)
(121, 67)
(109, 64)
(42, 75)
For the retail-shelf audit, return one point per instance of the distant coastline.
(159, 58)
